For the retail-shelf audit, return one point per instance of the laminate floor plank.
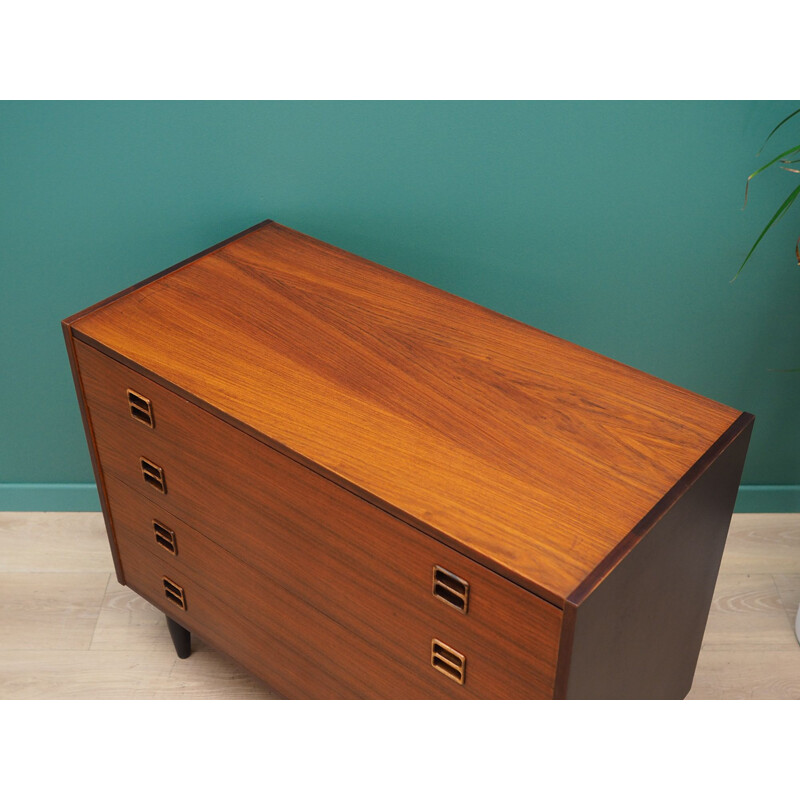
(54, 542)
(749, 649)
(69, 630)
(125, 675)
(765, 543)
(765, 674)
(747, 613)
(788, 587)
(49, 610)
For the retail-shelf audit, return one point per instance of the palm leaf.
(778, 214)
(794, 149)
(776, 128)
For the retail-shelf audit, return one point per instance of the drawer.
(255, 648)
(345, 557)
(250, 593)
(294, 648)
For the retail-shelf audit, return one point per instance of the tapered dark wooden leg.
(181, 638)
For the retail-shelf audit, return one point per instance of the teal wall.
(617, 225)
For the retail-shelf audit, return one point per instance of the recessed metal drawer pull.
(165, 537)
(153, 475)
(450, 588)
(141, 408)
(174, 593)
(448, 661)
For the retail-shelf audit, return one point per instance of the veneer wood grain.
(511, 640)
(497, 438)
(255, 503)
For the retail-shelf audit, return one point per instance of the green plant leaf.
(794, 149)
(797, 111)
(778, 214)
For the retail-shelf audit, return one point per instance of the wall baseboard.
(83, 497)
(780, 499)
(49, 497)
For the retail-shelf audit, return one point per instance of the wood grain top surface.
(528, 452)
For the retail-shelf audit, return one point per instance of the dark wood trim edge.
(185, 263)
(565, 651)
(595, 577)
(90, 441)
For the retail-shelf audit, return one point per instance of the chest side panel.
(637, 635)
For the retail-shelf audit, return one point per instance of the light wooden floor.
(68, 630)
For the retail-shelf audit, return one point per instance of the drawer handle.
(140, 408)
(448, 661)
(450, 589)
(165, 537)
(174, 593)
(153, 475)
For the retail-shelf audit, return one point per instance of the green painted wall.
(617, 225)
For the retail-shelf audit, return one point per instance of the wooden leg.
(181, 638)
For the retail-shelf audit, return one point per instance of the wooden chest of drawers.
(358, 485)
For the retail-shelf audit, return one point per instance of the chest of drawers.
(359, 486)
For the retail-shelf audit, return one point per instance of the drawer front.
(259, 650)
(342, 555)
(296, 649)
(292, 628)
